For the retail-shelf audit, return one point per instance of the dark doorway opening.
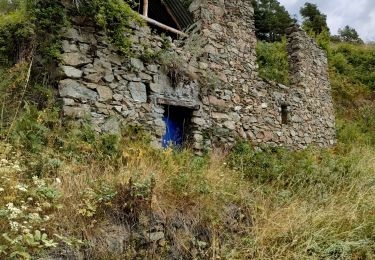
(178, 122)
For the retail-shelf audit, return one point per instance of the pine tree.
(314, 20)
(271, 20)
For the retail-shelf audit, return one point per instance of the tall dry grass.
(274, 222)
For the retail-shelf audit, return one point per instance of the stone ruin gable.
(220, 84)
(314, 114)
(243, 105)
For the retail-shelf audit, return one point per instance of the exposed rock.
(230, 125)
(76, 112)
(155, 236)
(157, 88)
(68, 102)
(217, 102)
(75, 59)
(105, 93)
(67, 47)
(73, 89)
(137, 64)
(109, 78)
(217, 85)
(112, 126)
(198, 121)
(138, 91)
(72, 72)
(94, 78)
(115, 59)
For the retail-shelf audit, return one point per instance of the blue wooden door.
(175, 131)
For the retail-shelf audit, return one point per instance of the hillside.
(67, 192)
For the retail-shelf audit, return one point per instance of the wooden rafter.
(163, 26)
(145, 8)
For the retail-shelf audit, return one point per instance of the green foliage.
(190, 179)
(313, 19)
(355, 62)
(7, 6)
(289, 170)
(49, 18)
(32, 129)
(14, 94)
(323, 40)
(26, 209)
(271, 20)
(348, 34)
(31, 26)
(273, 63)
(16, 32)
(361, 131)
(115, 17)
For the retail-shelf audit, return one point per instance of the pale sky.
(359, 14)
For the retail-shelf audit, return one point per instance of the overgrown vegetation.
(249, 204)
(67, 192)
(28, 28)
(272, 59)
(115, 17)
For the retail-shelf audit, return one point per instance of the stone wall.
(219, 82)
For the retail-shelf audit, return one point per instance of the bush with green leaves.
(290, 170)
(27, 208)
(273, 63)
(355, 62)
(115, 17)
(31, 27)
(16, 31)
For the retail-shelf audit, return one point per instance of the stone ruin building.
(205, 90)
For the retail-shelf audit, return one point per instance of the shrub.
(33, 129)
(273, 61)
(26, 211)
(114, 16)
(354, 61)
(294, 171)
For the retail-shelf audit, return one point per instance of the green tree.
(271, 20)
(349, 34)
(314, 20)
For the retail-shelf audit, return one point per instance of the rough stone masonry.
(213, 73)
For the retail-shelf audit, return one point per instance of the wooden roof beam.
(145, 8)
(163, 26)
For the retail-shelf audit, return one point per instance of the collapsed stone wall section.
(242, 104)
(220, 83)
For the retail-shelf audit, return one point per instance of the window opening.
(284, 114)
